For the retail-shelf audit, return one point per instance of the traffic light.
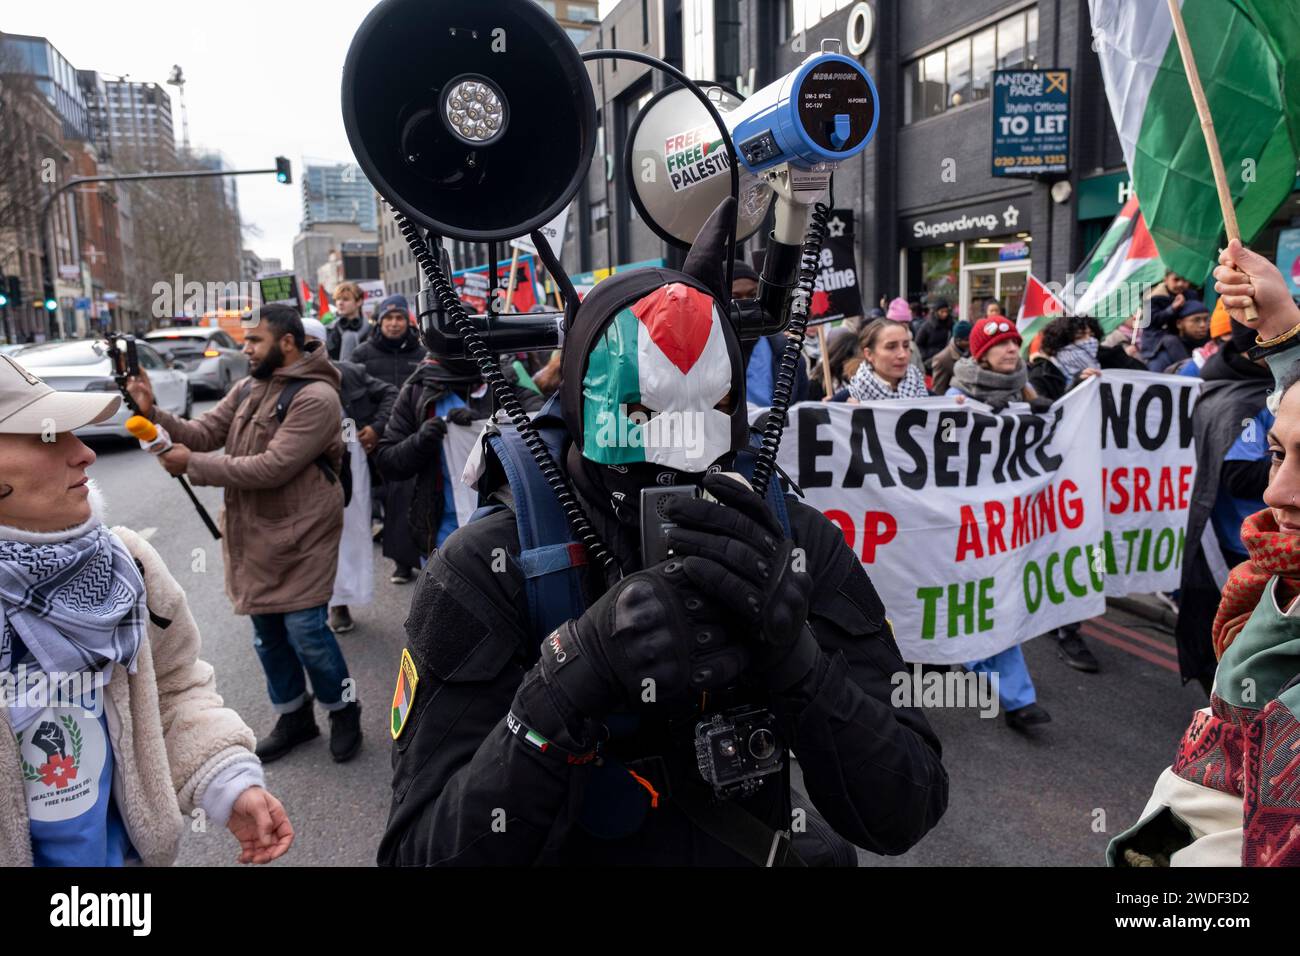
(16, 291)
(283, 173)
(4, 300)
(51, 304)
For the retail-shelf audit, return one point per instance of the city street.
(1052, 800)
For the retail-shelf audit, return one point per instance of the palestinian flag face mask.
(654, 381)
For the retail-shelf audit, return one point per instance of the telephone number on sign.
(1051, 159)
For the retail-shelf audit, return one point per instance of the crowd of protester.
(910, 349)
(396, 400)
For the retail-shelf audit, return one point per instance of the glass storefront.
(970, 273)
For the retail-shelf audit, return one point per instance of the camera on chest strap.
(737, 749)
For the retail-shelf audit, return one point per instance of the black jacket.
(410, 462)
(334, 335)
(932, 336)
(392, 360)
(1114, 356)
(1234, 391)
(1046, 379)
(872, 769)
(366, 399)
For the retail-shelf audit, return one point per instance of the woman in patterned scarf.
(1068, 357)
(886, 371)
(114, 732)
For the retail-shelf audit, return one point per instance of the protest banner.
(835, 289)
(1148, 467)
(979, 530)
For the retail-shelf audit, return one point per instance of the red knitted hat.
(988, 332)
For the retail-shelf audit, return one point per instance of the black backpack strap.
(159, 621)
(727, 822)
(282, 403)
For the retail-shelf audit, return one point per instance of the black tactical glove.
(649, 643)
(460, 416)
(736, 551)
(433, 429)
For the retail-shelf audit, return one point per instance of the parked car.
(210, 357)
(85, 366)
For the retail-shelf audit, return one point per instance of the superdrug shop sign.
(1006, 216)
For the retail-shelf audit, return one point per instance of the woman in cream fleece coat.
(114, 776)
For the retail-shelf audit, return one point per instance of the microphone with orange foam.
(153, 438)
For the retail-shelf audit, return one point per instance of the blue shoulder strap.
(550, 559)
(745, 461)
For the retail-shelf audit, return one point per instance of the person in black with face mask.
(593, 748)
(392, 355)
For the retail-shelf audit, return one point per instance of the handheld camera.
(124, 356)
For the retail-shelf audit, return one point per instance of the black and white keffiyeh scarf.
(1076, 357)
(76, 605)
(867, 386)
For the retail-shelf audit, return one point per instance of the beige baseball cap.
(28, 406)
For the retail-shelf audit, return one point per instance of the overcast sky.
(262, 79)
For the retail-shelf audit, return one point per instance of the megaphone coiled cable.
(491, 372)
(786, 375)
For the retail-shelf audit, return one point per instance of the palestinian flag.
(1110, 284)
(1037, 308)
(653, 381)
(403, 694)
(322, 303)
(1247, 54)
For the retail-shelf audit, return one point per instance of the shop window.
(940, 271)
(980, 252)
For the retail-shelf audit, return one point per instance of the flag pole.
(826, 361)
(1211, 138)
(510, 286)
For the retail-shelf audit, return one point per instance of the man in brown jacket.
(282, 518)
(958, 347)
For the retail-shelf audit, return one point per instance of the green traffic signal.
(283, 171)
(4, 300)
(51, 305)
